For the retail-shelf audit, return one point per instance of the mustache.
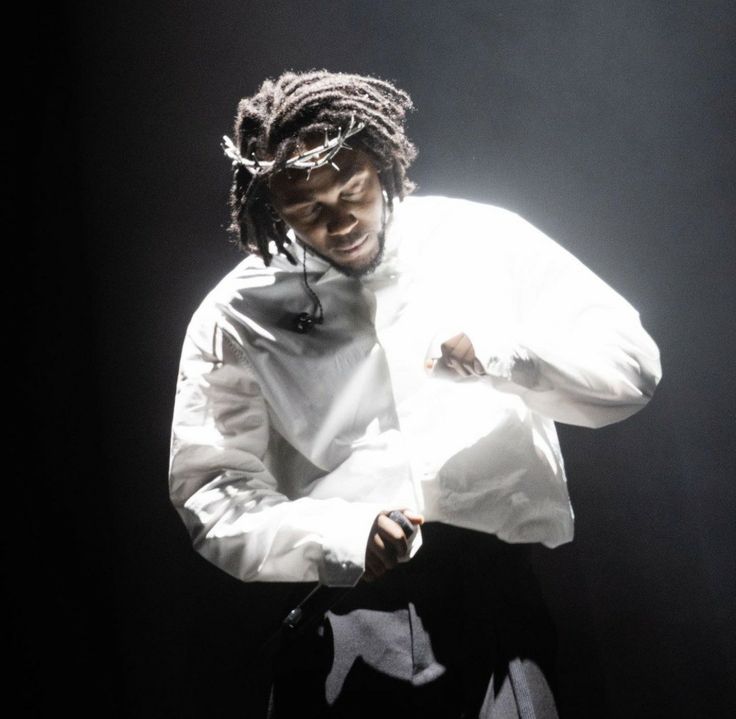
(347, 240)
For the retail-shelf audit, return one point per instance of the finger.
(452, 364)
(464, 354)
(458, 367)
(464, 350)
(393, 536)
(474, 367)
(413, 517)
(448, 346)
(391, 532)
(462, 369)
(458, 354)
(383, 552)
(459, 347)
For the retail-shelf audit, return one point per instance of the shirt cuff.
(345, 542)
(519, 366)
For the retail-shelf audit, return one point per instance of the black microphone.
(322, 598)
(402, 520)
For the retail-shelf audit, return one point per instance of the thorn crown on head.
(308, 160)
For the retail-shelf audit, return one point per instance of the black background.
(608, 125)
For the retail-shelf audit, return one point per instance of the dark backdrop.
(608, 125)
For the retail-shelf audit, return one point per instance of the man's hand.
(458, 355)
(387, 543)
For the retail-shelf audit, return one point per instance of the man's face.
(337, 213)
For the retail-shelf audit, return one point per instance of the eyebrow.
(350, 173)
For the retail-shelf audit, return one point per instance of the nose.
(341, 221)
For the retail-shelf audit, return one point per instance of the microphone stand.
(309, 612)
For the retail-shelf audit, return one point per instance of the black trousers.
(459, 631)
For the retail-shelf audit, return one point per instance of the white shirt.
(285, 446)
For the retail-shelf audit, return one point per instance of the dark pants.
(459, 631)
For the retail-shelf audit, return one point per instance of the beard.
(361, 270)
(368, 267)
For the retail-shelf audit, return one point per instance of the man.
(368, 400)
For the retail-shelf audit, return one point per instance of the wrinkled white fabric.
(285, 446)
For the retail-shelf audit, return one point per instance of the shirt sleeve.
(219, 482)
(574, 349)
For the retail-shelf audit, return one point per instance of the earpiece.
(303, 323)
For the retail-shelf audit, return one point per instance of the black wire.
(318, 311)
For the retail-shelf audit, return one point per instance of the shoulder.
(233, 292)
(441, 210)
(468, 222)
(249, 272)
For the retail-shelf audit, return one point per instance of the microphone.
(400, 518)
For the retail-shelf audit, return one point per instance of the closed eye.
(353, 193)
(307, 212)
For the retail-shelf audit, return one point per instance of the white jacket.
(285, 446)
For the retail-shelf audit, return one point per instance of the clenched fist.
(387, 544)
(458, 355)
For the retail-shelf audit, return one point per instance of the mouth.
(352, 248)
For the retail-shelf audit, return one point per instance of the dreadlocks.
(275, 122)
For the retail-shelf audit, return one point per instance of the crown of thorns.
(308, 160)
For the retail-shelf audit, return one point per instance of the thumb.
(413, 517)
